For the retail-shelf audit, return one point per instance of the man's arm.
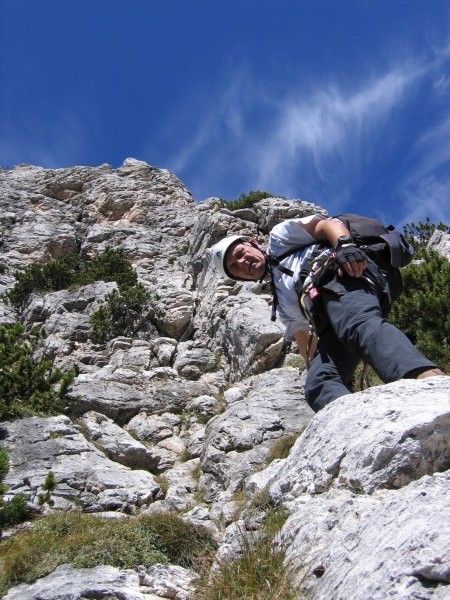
(330, 230)
(302, 338)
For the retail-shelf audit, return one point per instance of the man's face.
(246, 261)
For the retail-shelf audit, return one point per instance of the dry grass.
(87, 541)
(258, 573)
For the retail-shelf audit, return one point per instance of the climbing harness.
(309, 295)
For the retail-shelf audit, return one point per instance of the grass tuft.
(281, 447)
(87, 541)
(258, 572)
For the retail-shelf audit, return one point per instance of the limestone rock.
(393, 544)
(84, 475)
(117, 443)
(193, 359)
(168, 581)
(273, 211)
(440, 242)
(384, 437)
(108, 582)
(238, 441)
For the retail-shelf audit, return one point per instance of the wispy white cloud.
(331, 123)
(429, 197)
(426, 188)
(321, 137)
(305, 129)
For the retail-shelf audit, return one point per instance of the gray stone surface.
(440, 242)
(108, 583)
(85, 476)
(393, 544)
(238, 441)
(383, 437)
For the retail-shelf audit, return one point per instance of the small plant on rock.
(16, 510)
(122, 313)
(246, 200)
(29, 386)
(48, 487)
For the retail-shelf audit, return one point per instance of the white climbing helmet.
(219, 253)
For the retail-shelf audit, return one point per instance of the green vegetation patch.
(246, 200)
(258, 572)
(29, 386)
(72, 270)
(281, 447)
(87, 541)
(16, 510)
(422, 310)
(122, 313)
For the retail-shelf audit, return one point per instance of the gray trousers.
(356, 329)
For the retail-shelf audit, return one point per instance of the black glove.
(349, 254)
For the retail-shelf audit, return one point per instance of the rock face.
(189, 412)
(440, 242)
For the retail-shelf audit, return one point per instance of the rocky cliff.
(201, 395)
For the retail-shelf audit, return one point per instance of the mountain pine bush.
(16, 510)
(422, 311)
(29, 385)
(71, 270)
(120, 314)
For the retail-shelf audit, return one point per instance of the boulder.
(392, 544)
(85, 476)
(238, 441)
(382, 438)
(153, 583)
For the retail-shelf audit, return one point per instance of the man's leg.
(331, 371)
(355, 315)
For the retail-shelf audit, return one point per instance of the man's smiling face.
(246, 261)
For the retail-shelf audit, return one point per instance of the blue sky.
(345, 103)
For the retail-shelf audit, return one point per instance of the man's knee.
(321, 390)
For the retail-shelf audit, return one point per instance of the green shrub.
(29, 386)
(4, 464)
(71, 270)
(246, 200)
(48, 487)
(16, 510)
(52, 276)
(87, 541)
(110, 265)
(120, 314)
(422, 310)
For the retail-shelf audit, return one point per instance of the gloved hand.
(351, 259)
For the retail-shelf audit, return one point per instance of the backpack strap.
(274, 261)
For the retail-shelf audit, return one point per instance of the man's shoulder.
(290, 233)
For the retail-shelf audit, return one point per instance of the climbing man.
(349, 295)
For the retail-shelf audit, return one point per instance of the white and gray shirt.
(284, 236)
